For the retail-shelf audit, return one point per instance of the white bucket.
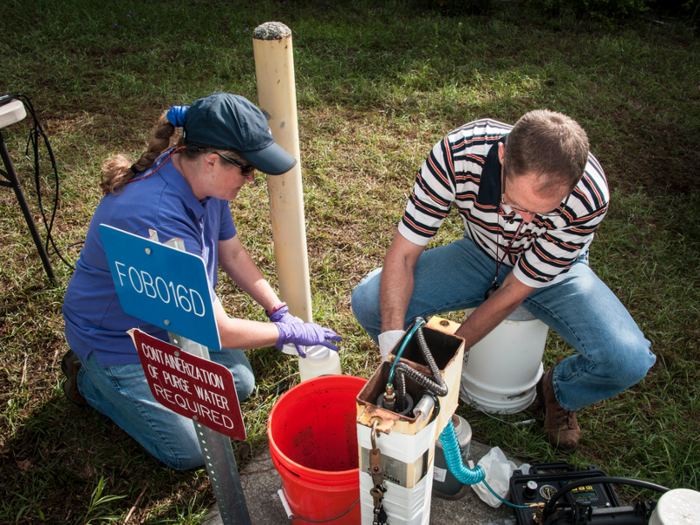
(501, 371)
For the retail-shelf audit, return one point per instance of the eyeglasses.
(246, 169)
(554, 213)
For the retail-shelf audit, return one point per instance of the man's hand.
(387, 341)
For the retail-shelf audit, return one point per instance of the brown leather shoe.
(70, 365)
(560, 425)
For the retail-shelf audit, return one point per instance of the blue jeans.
(612, 352)
(121, 393)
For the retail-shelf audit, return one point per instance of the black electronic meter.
(588, 503)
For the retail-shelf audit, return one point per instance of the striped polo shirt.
(463, 169)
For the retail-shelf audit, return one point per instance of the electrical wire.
(511, 423)
(549, 507)
(34, 141)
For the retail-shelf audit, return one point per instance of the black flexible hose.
(436, 384)
(549, 507)
(420, 336)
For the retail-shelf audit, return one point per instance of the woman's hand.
(305, 334)
(282, 315)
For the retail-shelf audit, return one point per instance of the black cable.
(33, 140)
(71, 245)
(549, 507)
(38, 130)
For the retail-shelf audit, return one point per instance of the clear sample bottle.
(319, 361)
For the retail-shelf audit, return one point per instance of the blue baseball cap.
(231, 122)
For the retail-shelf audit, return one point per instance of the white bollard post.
(274, 70)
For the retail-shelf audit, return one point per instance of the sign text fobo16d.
(142, 282)
(163, 286)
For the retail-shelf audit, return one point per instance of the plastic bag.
(498, 469)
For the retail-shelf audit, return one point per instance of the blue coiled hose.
(453, 457)
(467, 476)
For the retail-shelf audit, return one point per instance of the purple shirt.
(163, 202)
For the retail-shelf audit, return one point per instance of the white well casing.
(408, 460)
(403, 506)
(407, 444)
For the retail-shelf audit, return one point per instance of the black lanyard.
(494, 286)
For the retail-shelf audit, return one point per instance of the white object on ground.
(498, 469)
(677, 507)
(285, 504)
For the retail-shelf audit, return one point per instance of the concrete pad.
(260, 483)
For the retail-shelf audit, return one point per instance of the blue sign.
(161, 285)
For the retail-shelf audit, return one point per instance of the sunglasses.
(246, 169)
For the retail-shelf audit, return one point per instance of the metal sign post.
(168, 287)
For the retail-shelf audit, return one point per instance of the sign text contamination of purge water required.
(161, 285)
(191, 386)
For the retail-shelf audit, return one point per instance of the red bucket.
(313, 444)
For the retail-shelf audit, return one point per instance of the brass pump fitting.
(539, 515)
(389, 396)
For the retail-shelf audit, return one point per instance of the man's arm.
(239, 266)
(396, 284)
(495, 309)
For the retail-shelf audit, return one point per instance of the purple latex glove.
(283, 316)
(305, 334)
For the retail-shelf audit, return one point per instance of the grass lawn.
(378, 83)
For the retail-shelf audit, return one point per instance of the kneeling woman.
(180, 192)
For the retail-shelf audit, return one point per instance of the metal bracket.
(216, 448)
